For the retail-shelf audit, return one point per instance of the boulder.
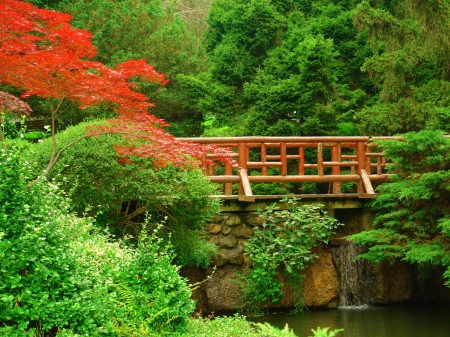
(321, 284)
(222, 291)
(242, 231)
(227, 241)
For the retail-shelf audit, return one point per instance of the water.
(357, 316)
(355, 275)
(412, 320)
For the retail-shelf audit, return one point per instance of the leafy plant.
(43, 287)
(150, 294)
(271, 331)
(412, 219)
(60, 273)
(323, 332)
(222, 326)
(119, 190)
(284, 242)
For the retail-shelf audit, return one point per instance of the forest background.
(284, 68)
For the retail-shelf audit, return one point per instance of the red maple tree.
(43, 55)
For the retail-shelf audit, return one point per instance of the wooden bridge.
(328, 160)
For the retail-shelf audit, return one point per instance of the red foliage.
(13, 104)
(43, 55)
(148, 140)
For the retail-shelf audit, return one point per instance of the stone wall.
(322, 286)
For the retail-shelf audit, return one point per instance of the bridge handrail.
(364, 162)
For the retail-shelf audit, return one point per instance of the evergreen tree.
(410, 44)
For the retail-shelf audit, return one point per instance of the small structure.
(330, 160)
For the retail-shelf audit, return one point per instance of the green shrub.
(412, 222)
(119, 191)
(224, 326)
(233, 326)
(284, 241)
(41, 284)
(59, 271)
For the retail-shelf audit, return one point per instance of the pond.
(411, 320)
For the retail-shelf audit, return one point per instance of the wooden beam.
(305, 178)
(366, 182)
(283, 159)
(256, 164)
(361, 159)
(246, 188)
(320, 159)
(301, 162)
(264, 158)
(336, 169)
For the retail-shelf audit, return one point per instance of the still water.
(412, 320)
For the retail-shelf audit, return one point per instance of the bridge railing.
(331, 160)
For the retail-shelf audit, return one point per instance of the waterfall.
(355, 276)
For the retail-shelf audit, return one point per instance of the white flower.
(47, 127)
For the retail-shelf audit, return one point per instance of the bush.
(413, 209)
(120, 190)
(59, 271)
(238, 326)
(284, 241)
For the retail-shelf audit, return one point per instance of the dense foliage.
(59, 272)
(122, 191)
(413, 210)
(282, 68)
(409, 64)
(323, 67)
(284, 242)
(48, 59)
(152, 30)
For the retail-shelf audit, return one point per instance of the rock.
(217, 219)
(236, 255)
(226, 229)
(195, 275)
(214, 228)
(255, 220)
(214, 239)
(392, 283)
(242, 231)
(228, 241)
(222, 258)
(431, 288)
(321, 284)
(232, 220)
(222, 291)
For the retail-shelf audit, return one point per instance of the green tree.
(272, 58)
(410, 45)
(413, 210)
(302, 80)
(150, 30)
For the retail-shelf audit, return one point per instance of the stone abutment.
(334, 279)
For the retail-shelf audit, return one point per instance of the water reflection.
(418, 320)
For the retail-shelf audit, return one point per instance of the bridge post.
(336, 170)
(228, 187)
(242, 162)
(361, 159)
